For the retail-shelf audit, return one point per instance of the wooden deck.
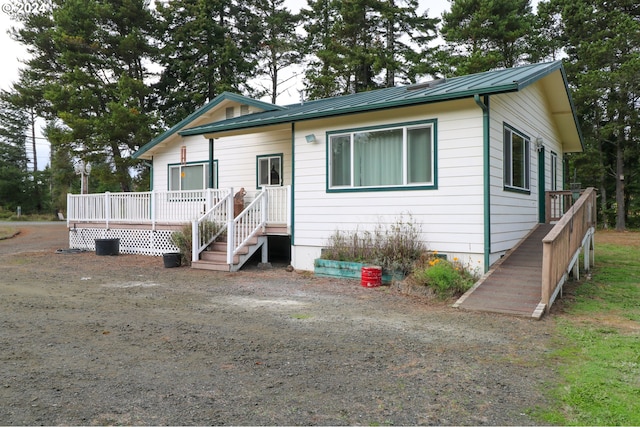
(513, 286)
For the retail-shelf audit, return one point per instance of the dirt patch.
(621, 238)
(94, 340)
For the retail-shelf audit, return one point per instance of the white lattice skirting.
(141, 242)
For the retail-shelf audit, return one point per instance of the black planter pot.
(172, 259)
(107, 246)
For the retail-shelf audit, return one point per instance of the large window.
(394, 157)
(193, 176)
(516, 160)
(269, 170)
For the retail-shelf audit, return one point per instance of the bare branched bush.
(394, 247)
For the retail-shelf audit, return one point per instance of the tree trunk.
(620, 205)
(603, 205)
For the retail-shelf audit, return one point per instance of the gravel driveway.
(96, 340)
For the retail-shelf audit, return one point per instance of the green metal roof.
(199, 112)
(486, 83)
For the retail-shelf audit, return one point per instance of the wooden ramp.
(514, 284)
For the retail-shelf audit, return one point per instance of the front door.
(541, 186)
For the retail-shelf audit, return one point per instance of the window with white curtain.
(401, 156)
(193, 176)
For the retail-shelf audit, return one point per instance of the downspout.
(484, 105)
(293, 183)
(211, 163)
(150, 164)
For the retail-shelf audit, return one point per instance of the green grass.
(598, 345)
(301, 316)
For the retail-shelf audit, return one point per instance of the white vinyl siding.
(515, 213)
(449, 212)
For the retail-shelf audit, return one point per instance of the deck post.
(153, 210)
(107, 208)
(195, 241)
(68, 208)
(230, 229)
(547, 258)
(264, 207)
(289, 195)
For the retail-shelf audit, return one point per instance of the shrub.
(183, 240)
(395, 247)
(446, 278)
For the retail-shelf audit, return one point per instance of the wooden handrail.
(562, 245)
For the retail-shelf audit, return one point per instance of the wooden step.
(217, 256)
(207, 265)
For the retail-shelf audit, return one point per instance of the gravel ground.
(97, 340)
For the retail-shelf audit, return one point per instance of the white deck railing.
(201, 208)
(151, 207)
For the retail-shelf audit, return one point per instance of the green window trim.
(382, 158)
(269, 170)
(517, 160)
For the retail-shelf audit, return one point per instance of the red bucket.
(371, 276)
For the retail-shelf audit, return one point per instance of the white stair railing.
(247, 225)
(209, 226)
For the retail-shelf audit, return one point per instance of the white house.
(469, 158)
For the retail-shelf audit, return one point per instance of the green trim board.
(213, 169)
(486, 144)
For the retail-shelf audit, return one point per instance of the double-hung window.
(400, 156)
(516, 160)
(192, 176)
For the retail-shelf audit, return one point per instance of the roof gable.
(208, 110)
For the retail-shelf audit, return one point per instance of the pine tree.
(280, 46)
(360, 45)
(207, 47)
(90, 56)
(486, 34)
(603, 45)
(15, 185)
